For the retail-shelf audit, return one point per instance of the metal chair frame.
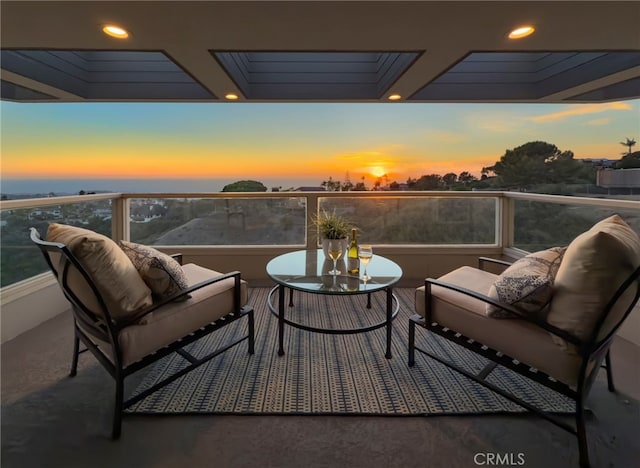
(102, 326)
(590, 350)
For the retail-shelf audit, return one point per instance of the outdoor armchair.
(551, 316)
(133, 305)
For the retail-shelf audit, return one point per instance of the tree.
(347, 185)
(630, 161)
(331, 185)
(429, 182)
(360, 186)
(536, 162)
(245, 186)
(465, 178)
(630, 143)
(449, 179)
(561, 167)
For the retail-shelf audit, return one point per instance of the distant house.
(618, 178)
(602, 162)
(103, 213)
(53, 213)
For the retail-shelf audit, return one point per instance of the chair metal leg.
(74, 359)
(412, 342)
(117, 410)
(280, 320)
(251, 331)
(388, 354)
(581, 434)
(607, 360)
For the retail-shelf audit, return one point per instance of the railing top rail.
(565, 200)
(320, 194)
(49, 201)
(537, 197)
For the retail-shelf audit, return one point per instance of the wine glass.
(365, 252)
(336, 251)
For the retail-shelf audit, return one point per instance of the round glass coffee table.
(307, 271)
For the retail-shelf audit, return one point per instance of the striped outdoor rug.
(334, 374)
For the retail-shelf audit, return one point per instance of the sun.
(377, 171)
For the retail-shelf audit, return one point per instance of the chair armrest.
(177, 257)
(508, 307)
(483, 260)
(184, 293)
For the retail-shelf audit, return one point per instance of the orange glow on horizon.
(173, 161)
(114, 162)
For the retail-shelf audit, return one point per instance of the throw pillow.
(160, 272)
(115, 277)
(527, 284)
(595, 265)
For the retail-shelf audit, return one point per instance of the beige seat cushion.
(516, 338)
(594, 266)
(178, 319)
(115, 277)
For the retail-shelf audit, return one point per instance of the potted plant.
(330, 226)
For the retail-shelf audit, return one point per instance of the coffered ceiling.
(341, 51)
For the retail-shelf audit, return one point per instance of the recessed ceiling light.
(231, 96)
(115, 31)
(522, 31)
(394, 97)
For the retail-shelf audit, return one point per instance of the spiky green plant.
(330, 225)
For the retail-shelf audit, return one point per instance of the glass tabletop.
(307, 270)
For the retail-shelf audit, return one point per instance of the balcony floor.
(49, 419)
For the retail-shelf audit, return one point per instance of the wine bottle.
(353, 263)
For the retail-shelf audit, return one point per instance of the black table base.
(279, 313)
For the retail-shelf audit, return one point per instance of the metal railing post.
(507, 222)
(312, 210)
(120, 219)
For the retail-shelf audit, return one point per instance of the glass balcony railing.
(539, 225)
(420, 220)
(20, 260)
(218, 221)
(479, 222)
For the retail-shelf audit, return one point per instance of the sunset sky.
(294, 141)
